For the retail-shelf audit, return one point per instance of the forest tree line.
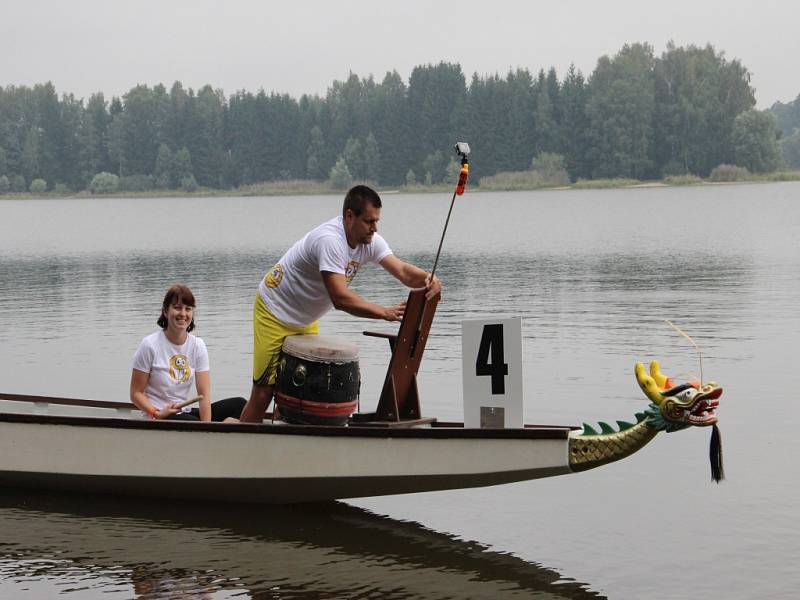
(637, 115)
(787, 118)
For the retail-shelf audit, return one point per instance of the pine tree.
(340, 176)
(182, 165)
(165, 168)
(354, 157)
(372, 159)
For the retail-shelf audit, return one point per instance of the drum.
(318, 380)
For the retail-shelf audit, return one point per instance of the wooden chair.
(399, 404)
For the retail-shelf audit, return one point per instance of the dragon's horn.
(655, 373)
(648, 384)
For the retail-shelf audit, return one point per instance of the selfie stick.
(462, 149)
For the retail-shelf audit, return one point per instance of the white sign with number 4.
(491, 355)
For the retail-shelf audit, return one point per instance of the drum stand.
(399, 404)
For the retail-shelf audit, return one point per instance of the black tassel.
(715, 455)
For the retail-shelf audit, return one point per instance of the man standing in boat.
(313, 277)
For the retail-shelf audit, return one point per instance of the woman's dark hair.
(178, 293)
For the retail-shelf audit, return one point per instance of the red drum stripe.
(317, 409)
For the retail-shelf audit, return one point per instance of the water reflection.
(105, 546)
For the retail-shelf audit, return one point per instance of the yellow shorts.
(268, 336)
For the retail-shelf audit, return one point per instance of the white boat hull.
(266, 463)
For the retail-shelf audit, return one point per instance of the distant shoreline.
(300, 188)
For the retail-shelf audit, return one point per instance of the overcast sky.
(298, 47)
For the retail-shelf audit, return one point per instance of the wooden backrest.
(400, 397)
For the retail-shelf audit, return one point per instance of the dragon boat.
(109, 447)
(319, 449)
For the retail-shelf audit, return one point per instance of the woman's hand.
(166, 412)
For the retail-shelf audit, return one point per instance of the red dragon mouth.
(703, 411)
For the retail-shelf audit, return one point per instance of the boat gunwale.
(67, 401)
(436, 430)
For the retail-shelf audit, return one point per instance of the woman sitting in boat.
(168, 361)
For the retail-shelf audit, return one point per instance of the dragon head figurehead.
(672, 408)
(675, 407)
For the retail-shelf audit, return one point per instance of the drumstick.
(187, 402)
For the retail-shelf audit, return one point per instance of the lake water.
(593, 274)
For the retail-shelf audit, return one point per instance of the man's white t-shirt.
(294, 290)
(172, 368)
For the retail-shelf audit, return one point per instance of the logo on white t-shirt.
(179, 370)
(351, 270)
(274, 277)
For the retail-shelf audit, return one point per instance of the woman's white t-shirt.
(172, 368)
(294, 290)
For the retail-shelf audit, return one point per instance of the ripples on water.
(593, 274)
(93, 547)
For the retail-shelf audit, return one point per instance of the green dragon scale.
(672, 408)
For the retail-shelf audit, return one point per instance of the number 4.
(492, 339)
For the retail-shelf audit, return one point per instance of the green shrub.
(189, 184)
(453, 171)
(674, 167)
(551, 167)
(38, 186)
(340, 177)
(62, 189)
(781, 176)
(5, 184)
(725, 172)
(682, 180)
(104, 183)
(18, 183)
(513, 180)
(790, 149)
(523, 180)
(292, 187)
(593, 184)
(136, 183)
(547, 171)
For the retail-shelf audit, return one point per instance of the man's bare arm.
(411, 275)
(345, 299)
